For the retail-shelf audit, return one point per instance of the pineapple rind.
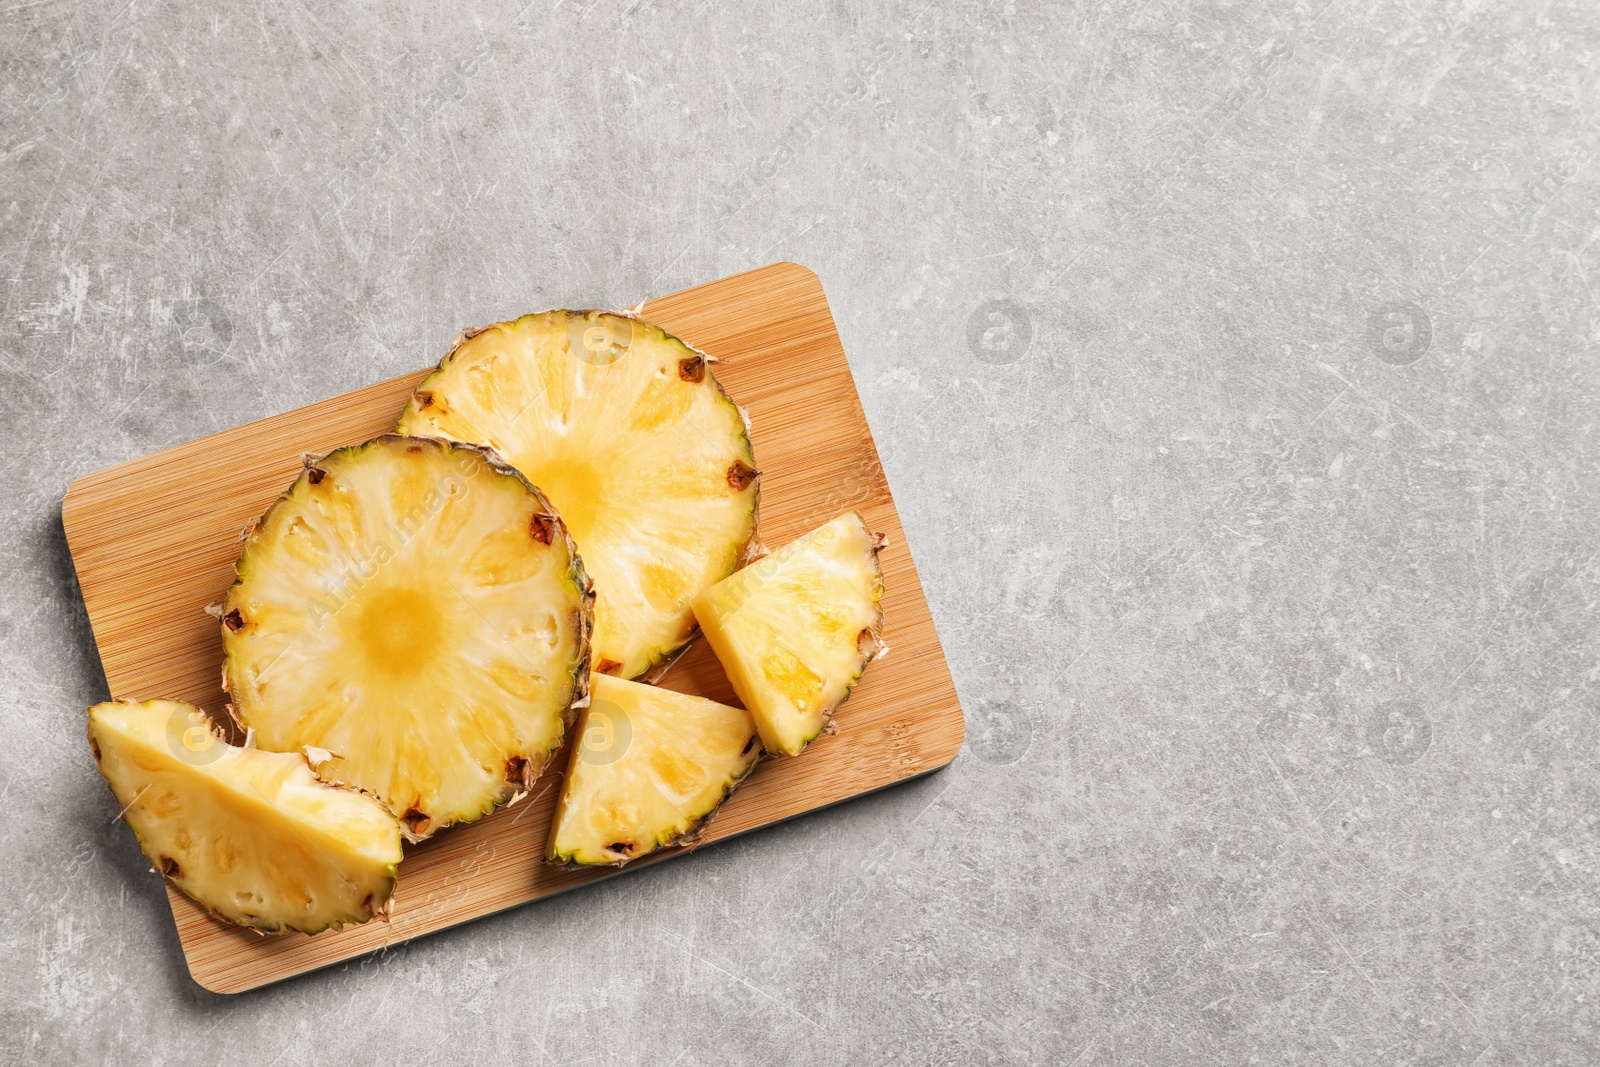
(634, 637)
(795, 630)
(254, 837)
(716, 746)
(525, 760)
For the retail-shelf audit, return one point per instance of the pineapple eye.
(516, 770)
(542, 526)
(741, 474)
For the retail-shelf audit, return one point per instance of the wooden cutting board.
(154, 541)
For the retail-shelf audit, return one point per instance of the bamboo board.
(154, 541)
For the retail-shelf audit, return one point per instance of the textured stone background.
(1235, 367)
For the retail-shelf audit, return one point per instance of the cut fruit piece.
(795, 630)
(413, 615)
(649, 768)
(627, 432)
(253, 836)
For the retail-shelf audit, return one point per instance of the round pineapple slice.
(254, 837)
(649, 769)
(795, 631)
(627, 432)
(413, 616)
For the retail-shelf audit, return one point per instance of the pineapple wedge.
(649, 768)
(795, 630)
(412, 615)
(253, 836)
(626, 430)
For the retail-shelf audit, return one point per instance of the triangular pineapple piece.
(413, 613)
(795, 630)
(253, 836)
(626, 430)
(649, 768)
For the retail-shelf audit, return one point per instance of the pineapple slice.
(413, 616)
(627, 432)
(252, 836)
(650, 767)
(795, 630)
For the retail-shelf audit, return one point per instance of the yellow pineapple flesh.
(412, 614)
(650, 766)
(795, 630)
(626, 430)
(252, 836)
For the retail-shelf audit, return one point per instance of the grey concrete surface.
(1235, 369)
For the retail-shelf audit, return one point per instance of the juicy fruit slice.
(627, 432)
(795, 630)
(650, 767)
(412, 614)
(252, 836)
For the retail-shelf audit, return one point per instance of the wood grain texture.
(154, 541)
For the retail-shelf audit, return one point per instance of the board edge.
(643, 864)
